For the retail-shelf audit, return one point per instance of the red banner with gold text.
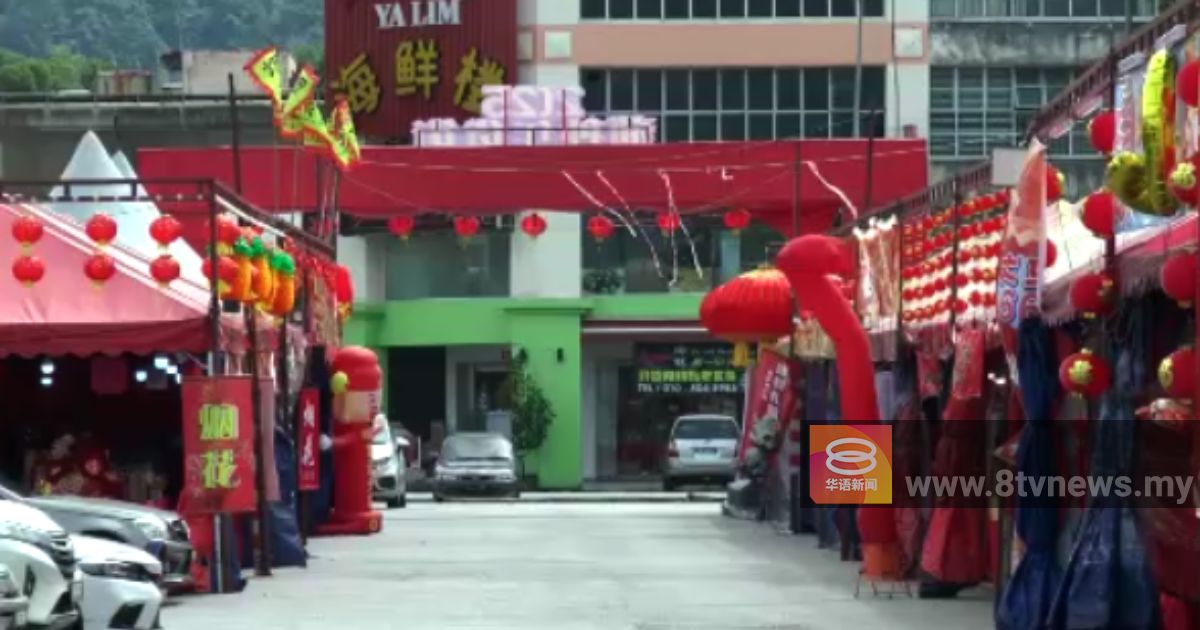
(218, 445)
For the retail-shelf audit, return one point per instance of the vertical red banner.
(308, 412)
(771, 396)
(218, 445)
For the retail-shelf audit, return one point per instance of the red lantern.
(960, 306)
(1093, 294)
(976, 298)
(755, 307)
(101, 228)
(228, 231)
(1084, 374)
(600, 227)
(1051, 253)
(1102, 132)
(1187, 83)
(227, 270)
(99, 268)
(989, 299)
(165, 230)
(27, 230)
(402, 227)
(533, 224)
(1100, 213)
(28, 270)
(668, 222)
(1056, 184)
(466, 227)
(164, 269)
(1178, 278)
(737, 220)
(344, 290)
(1177, 373)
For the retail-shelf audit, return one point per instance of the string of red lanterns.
(28, 269)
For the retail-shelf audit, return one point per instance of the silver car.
(701, 448)
(479, 464)
(388, 479)
(13, 603)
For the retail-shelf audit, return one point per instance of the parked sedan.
(121, 585)
(14, 605)
(41, 560)
(701, 448)
(476, 464)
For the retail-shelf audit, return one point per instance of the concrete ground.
(566, 566)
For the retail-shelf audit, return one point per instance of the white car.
(122, 585)
(388, 479)
(701, 448)
(13, 605)
(41, 560)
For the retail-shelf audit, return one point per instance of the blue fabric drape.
(1028, 596)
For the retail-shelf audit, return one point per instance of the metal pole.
(797, 175)
(236, 145)
(1128, 19)
(955, 220)
(263, 563)
(214, 331)
(858, 68)
(868, 187)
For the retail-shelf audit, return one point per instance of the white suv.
(41, 559)
(13, 605)
(701, 448)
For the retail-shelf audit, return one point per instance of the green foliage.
(62, 69)
(532, 412)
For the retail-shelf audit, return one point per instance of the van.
(701, 448)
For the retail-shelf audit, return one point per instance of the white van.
(41, 559)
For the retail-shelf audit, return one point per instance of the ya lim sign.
(526, 115)
(406, 60)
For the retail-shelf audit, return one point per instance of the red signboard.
(407, 60)
(218, 445)
(770, 396)
(308, 412)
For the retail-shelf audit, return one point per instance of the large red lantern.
(668, 222)
(600, 227)
(1178, 278)
(165, 230)
(1177, 373)
(755, 307)
(466, 227)
(1056, 184)
(402, 227)
(164, 270)
(99, 268)
(27, 230)
(101, 228)
(1187, 83)
(28, 270)
(1093, 294)
(533, 224)
(1102, 132)
(1084, 374)
(1100, 213)
(737, 220)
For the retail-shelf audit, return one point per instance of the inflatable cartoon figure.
(356, 383)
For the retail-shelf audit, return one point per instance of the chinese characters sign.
(397, 62)
(771, 396)
(218, 441)
(308, 410)
(1019, 285)
(686, 369)
(850, 464)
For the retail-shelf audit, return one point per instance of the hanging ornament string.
(630, 224)
(596, 202)
(683, 226)
(812, 166)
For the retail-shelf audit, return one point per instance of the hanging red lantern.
(976, 298)
(533, 224)
(466, 227)
(1102, 132)
(668, 222)
(737, 220)
(344, 290)
(1093, 294)
(227, 271)
(28, 270)
(1051, 253)
(1187, 83)
(989, 299)
(164, 269)
(228, 231)
(101, 228)
(755, 307)
(27, 230)
(1177, 373)
(1084, 374)
(402, 227)
(1100, 213)
(1056, 184)
(960, 306)
(1178, 278)
(99, 268)
(165, 230)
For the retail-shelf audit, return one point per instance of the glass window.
(733, 8)
(787, 8)
(444, 269)
(592, 9)
(1112, 8)
(843, 88)
(816, 88)
(1085, 8)
(787, 126)
(762, 127)
(872, 88)
(704, 89)
(999, 88)
(816, 8)
(704, 8)
(759, 9)
(733, 126)
(678, 90)
(970, 88)
(733, 89)
(843, 8)
(649, 9)
(620, 90)
(595, 90)
(873, 8)
(1058, 8)
(649, 90)
(704, 127)
(761, 88)
(620, 9)
(816, 125)
(787, 95)
(678, 128)
(970, 8)
(676, 9)
(842, 125)
(942, 8)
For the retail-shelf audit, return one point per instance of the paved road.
(529, 566)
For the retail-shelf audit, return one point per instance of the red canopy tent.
(787, 184)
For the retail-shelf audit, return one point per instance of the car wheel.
(668, 484)
(437, 498)
(402, 502)
(394, 503)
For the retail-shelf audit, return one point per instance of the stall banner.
(686, 369)
(218, 445)
(308, 411)
(396, 62)
(1019, 282)
(771, 396)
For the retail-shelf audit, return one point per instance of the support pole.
(236, 129)
(263, 559)
(858, 70)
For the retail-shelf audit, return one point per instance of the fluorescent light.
(178, 379)
(161, 361)
(47, 367)
(47, 381)
(173, 370)
(140, 376)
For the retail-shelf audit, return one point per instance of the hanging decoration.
(165, 230)
(1056, 184)
(242, 289)
(668, 223)
(344, 290)
(263, 281)
(164, 270)
(1084, 374)
(402, 227)
(102, 229)
(1051, 253)
(228, 234)
(466, 228)
(284, 299)
(28, 270)
(533, 225)
(737, 220)
(1093, 294)
(27, 230)
(227, 273)
(1140, 180)
(1177, 372)
(1178, 278)
(755, 307)
(99, 268)
(1100, 213)
(1188, 83)
(600, 227)
(1184, 181)
(1102, 132)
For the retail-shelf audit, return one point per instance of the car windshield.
(706, 429)
(476, 447)
(6, 493)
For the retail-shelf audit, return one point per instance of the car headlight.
(444, 473)
(24, 533)
(152, 528)
(117, 570)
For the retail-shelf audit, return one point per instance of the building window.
(1051, 9)
(973, 110)
(727, 9)
(704, 104)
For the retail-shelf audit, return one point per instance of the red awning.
(65, 313)
(764, 177)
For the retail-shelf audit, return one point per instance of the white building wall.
(366, 257)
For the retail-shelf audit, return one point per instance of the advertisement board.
(686, 369)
